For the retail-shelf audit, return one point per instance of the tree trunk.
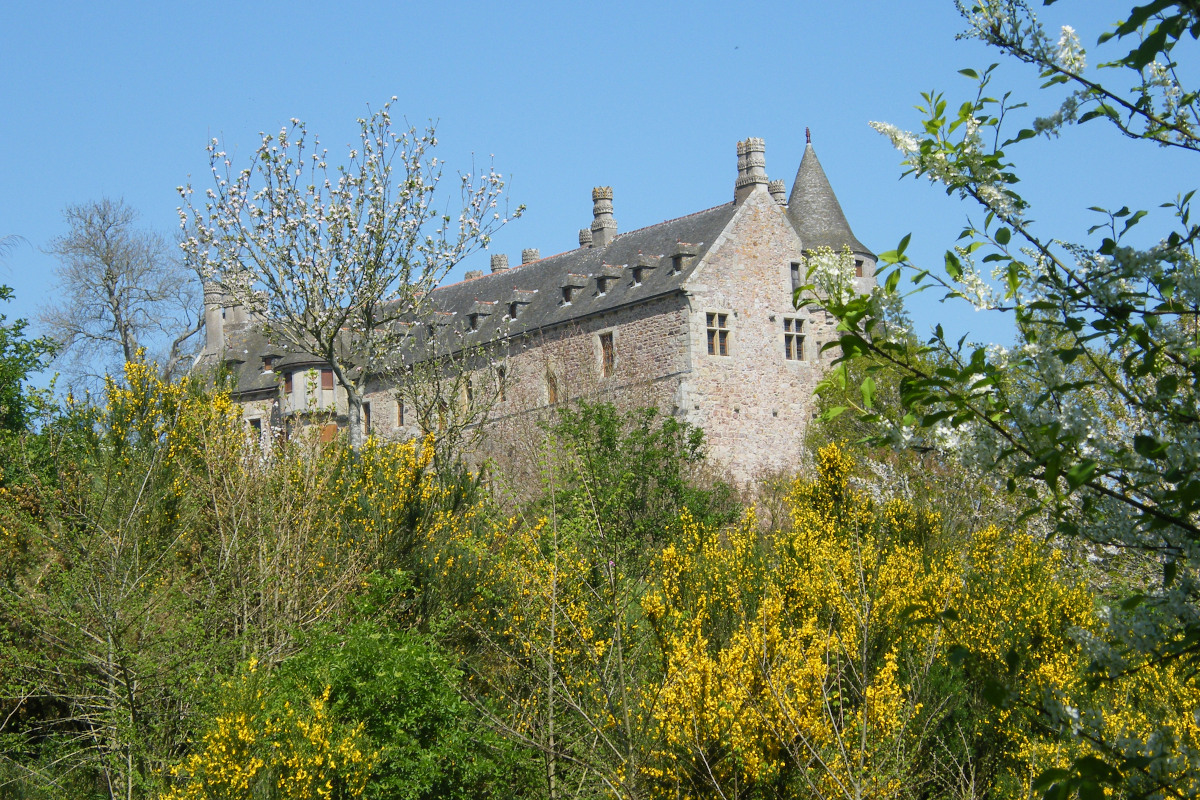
(354, 406)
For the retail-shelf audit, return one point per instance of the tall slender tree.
(122, 289)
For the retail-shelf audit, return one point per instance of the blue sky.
(119, 99)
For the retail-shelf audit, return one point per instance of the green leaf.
(953, 265)
(970, 73)
(868, 392)
(1003, 236)
(893, 280)
(1048, 778)
(1080, 473)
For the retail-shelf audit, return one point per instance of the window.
(858, 267)
(400, 412)
(676, 264)
(256, 428)
(607, 355)
(796, 275)
(268, 364)
(501, 382)
(638, 274)
(473, 321)
(567, 292)
(469, 392)
(602, 285)
(367, 417)
(326, 379)
(513, 308)
(329, 432)
(718, 333)
(793, 339)
(551, 388)
(287, 383)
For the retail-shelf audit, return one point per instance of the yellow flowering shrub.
(783, 654)
(253, 750)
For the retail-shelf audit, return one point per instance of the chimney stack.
(604, 227)
(499, 262)
(585, 237)
(752, 163)
(778, 190)
(530, 254)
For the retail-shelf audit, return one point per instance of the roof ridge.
(565, 252)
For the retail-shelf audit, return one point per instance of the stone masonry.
(694, 316)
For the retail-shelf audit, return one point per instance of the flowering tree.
(1093, 415)
(332, 263)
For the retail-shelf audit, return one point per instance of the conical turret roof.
(815, 211)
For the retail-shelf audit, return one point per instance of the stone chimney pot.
(778, 190)
(604, 227)
(499, 262)
(752, 165)
(530, 254)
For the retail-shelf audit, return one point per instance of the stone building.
(694, 315)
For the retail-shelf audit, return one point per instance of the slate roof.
(815, 211)
(537, 287)
(536, 290)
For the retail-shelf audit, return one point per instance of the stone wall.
(754, 404)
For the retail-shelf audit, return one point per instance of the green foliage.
(1092, 416)
(634, 472)
(19, 356)
(402, 689)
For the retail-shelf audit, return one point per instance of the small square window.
(793, 339)
(717, 325)
(326, 379)
(607, 355)
(796, 276)
(858, 267)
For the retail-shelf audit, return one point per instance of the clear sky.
(118, 99)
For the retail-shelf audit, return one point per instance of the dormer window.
(639, 273)
(268, 364)
(518, 299)
(602, 285)
(473, 321)
(570, 286)
(682, 258)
